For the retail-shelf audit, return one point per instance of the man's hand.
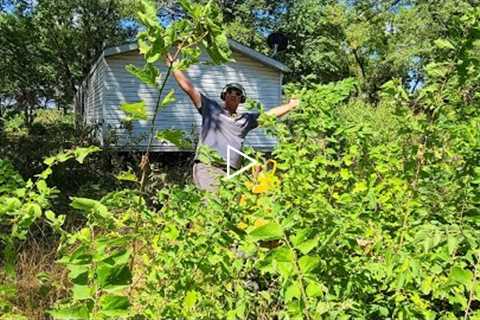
(293, 102)
(168, 60)
(283, 109)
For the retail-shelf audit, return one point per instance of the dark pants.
(207, 177)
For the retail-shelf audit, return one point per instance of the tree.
(77, 32)
(26, 75)
(48, 47)
(373, 41)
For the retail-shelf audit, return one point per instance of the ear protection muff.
(236, 86)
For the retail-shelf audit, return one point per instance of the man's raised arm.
(186, 85)
(283, 109)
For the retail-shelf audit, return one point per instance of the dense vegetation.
(371, 209)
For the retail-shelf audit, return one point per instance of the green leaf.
(45, 173)
(78, 273)
(64, 156)
(314, 289)
(82, 153)
(308, 263)
(186, 5)
(444, 44)
(190, 299)
(293, 292)
(223, 47)
(10, 205)
(307, 246)
(135, 110)
(122, 257)
(153, 57)
(269, 231)
(34, 210)
(114, 305)
(460, 275)
(111, 276)
(300, 236)
(279, 260)
(208, 155)
(174, 136)
(81, 292)
(171, 232)
(360, 187)
(169, 98)
(452, 243)
(50, 215)
(148, 14)
(90, 206)
(143, 45)
(302, 242)
(426, 286)
(148, 74)
(42, 187)
(282, 254)
(71, 313)
(127, 176)
(50, 160)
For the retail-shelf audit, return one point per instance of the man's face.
(232, 99)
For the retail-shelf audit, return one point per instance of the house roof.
(234, 45)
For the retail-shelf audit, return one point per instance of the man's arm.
(283, 109)
(186, 85)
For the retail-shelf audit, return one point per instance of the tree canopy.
(48, 47)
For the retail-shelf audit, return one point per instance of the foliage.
(354, 228)
(24, 203)
(40, 63)
(198, 29)
(24, 67)
(373, 214)
(334, 40)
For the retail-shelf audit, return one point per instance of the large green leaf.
(148, 74)
(81, 292)
(302, 241)
(460, 275)
(135, 110)
(113, 276)
(143, 46)
(82, 153)
(174, 136)
(114, 305)
(78, 273)
(293, 291)
(90, 206)
(269, 231)
(71, 313)
(308, 263)
(314, 289)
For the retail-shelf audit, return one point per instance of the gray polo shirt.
(219, 129)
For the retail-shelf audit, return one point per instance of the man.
(221, 126)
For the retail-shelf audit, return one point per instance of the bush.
(365, 218)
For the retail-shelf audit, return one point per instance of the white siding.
(261, 82)
(92, 93)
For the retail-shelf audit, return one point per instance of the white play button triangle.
(252, 162)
